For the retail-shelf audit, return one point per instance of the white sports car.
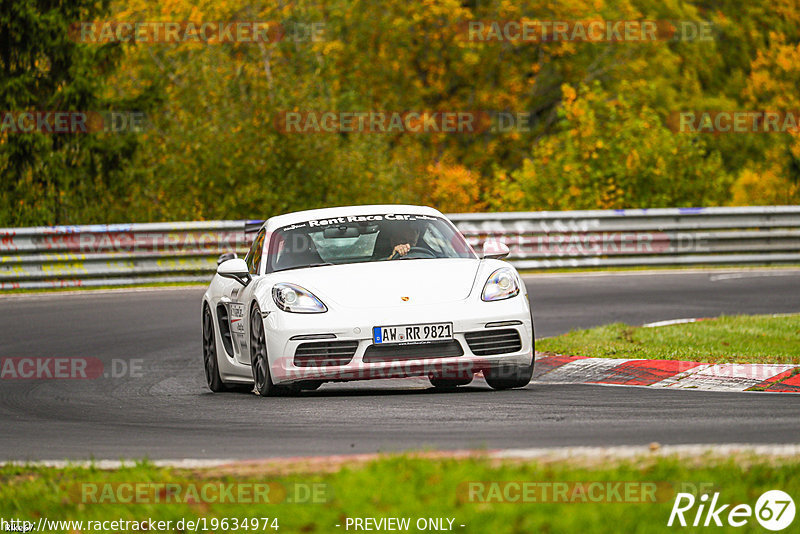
(365, 292)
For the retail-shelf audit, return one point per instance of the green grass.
(640, 268)
(150, 285)
(737, 339)
(403, 486)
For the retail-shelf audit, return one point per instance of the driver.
(403, 240)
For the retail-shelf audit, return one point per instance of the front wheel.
(512, 376)
(258, 356)
(509, 376)
(210, 362)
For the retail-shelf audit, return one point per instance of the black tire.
(509, 377)
(210, 363)
(259, 362)
(449, 383)
(512, 376)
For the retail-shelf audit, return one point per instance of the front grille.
(439, 349)
(489, 342)
(327, 353)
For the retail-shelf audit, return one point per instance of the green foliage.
(597, 134)
(54, 178)
(611, 154)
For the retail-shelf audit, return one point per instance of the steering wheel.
(418, 252)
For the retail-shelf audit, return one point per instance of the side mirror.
(493, 249)
(226, 256)
(235, 269)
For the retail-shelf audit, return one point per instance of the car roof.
(326, 213)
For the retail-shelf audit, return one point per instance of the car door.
(241, 296)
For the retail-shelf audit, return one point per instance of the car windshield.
(364, 238)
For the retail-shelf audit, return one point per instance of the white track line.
(670, 322)
(749, 274)
(633, 451)
(188, 463)
(549, 453)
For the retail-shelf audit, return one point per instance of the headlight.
(295, 299)
(502, 284)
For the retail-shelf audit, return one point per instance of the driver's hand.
(401, 250)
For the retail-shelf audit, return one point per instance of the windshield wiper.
(304, 266)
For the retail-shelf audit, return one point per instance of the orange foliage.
(453, 188)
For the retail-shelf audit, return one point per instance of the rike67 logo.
(774, 510)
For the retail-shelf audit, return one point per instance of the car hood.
(386, 283)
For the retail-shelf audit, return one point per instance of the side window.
(253, 258)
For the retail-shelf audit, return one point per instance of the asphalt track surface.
(166, 412)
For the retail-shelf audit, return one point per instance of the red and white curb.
(672, 374)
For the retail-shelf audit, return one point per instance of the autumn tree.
(772, 86)
(609, 154)
(57, 178)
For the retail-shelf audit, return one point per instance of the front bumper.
(355, 325)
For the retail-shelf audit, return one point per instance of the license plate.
(412, 333)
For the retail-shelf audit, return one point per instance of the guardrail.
(641, 237)
(129, 254)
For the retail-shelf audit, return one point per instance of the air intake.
(421, 351)
(490, 342)
(325, 354)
